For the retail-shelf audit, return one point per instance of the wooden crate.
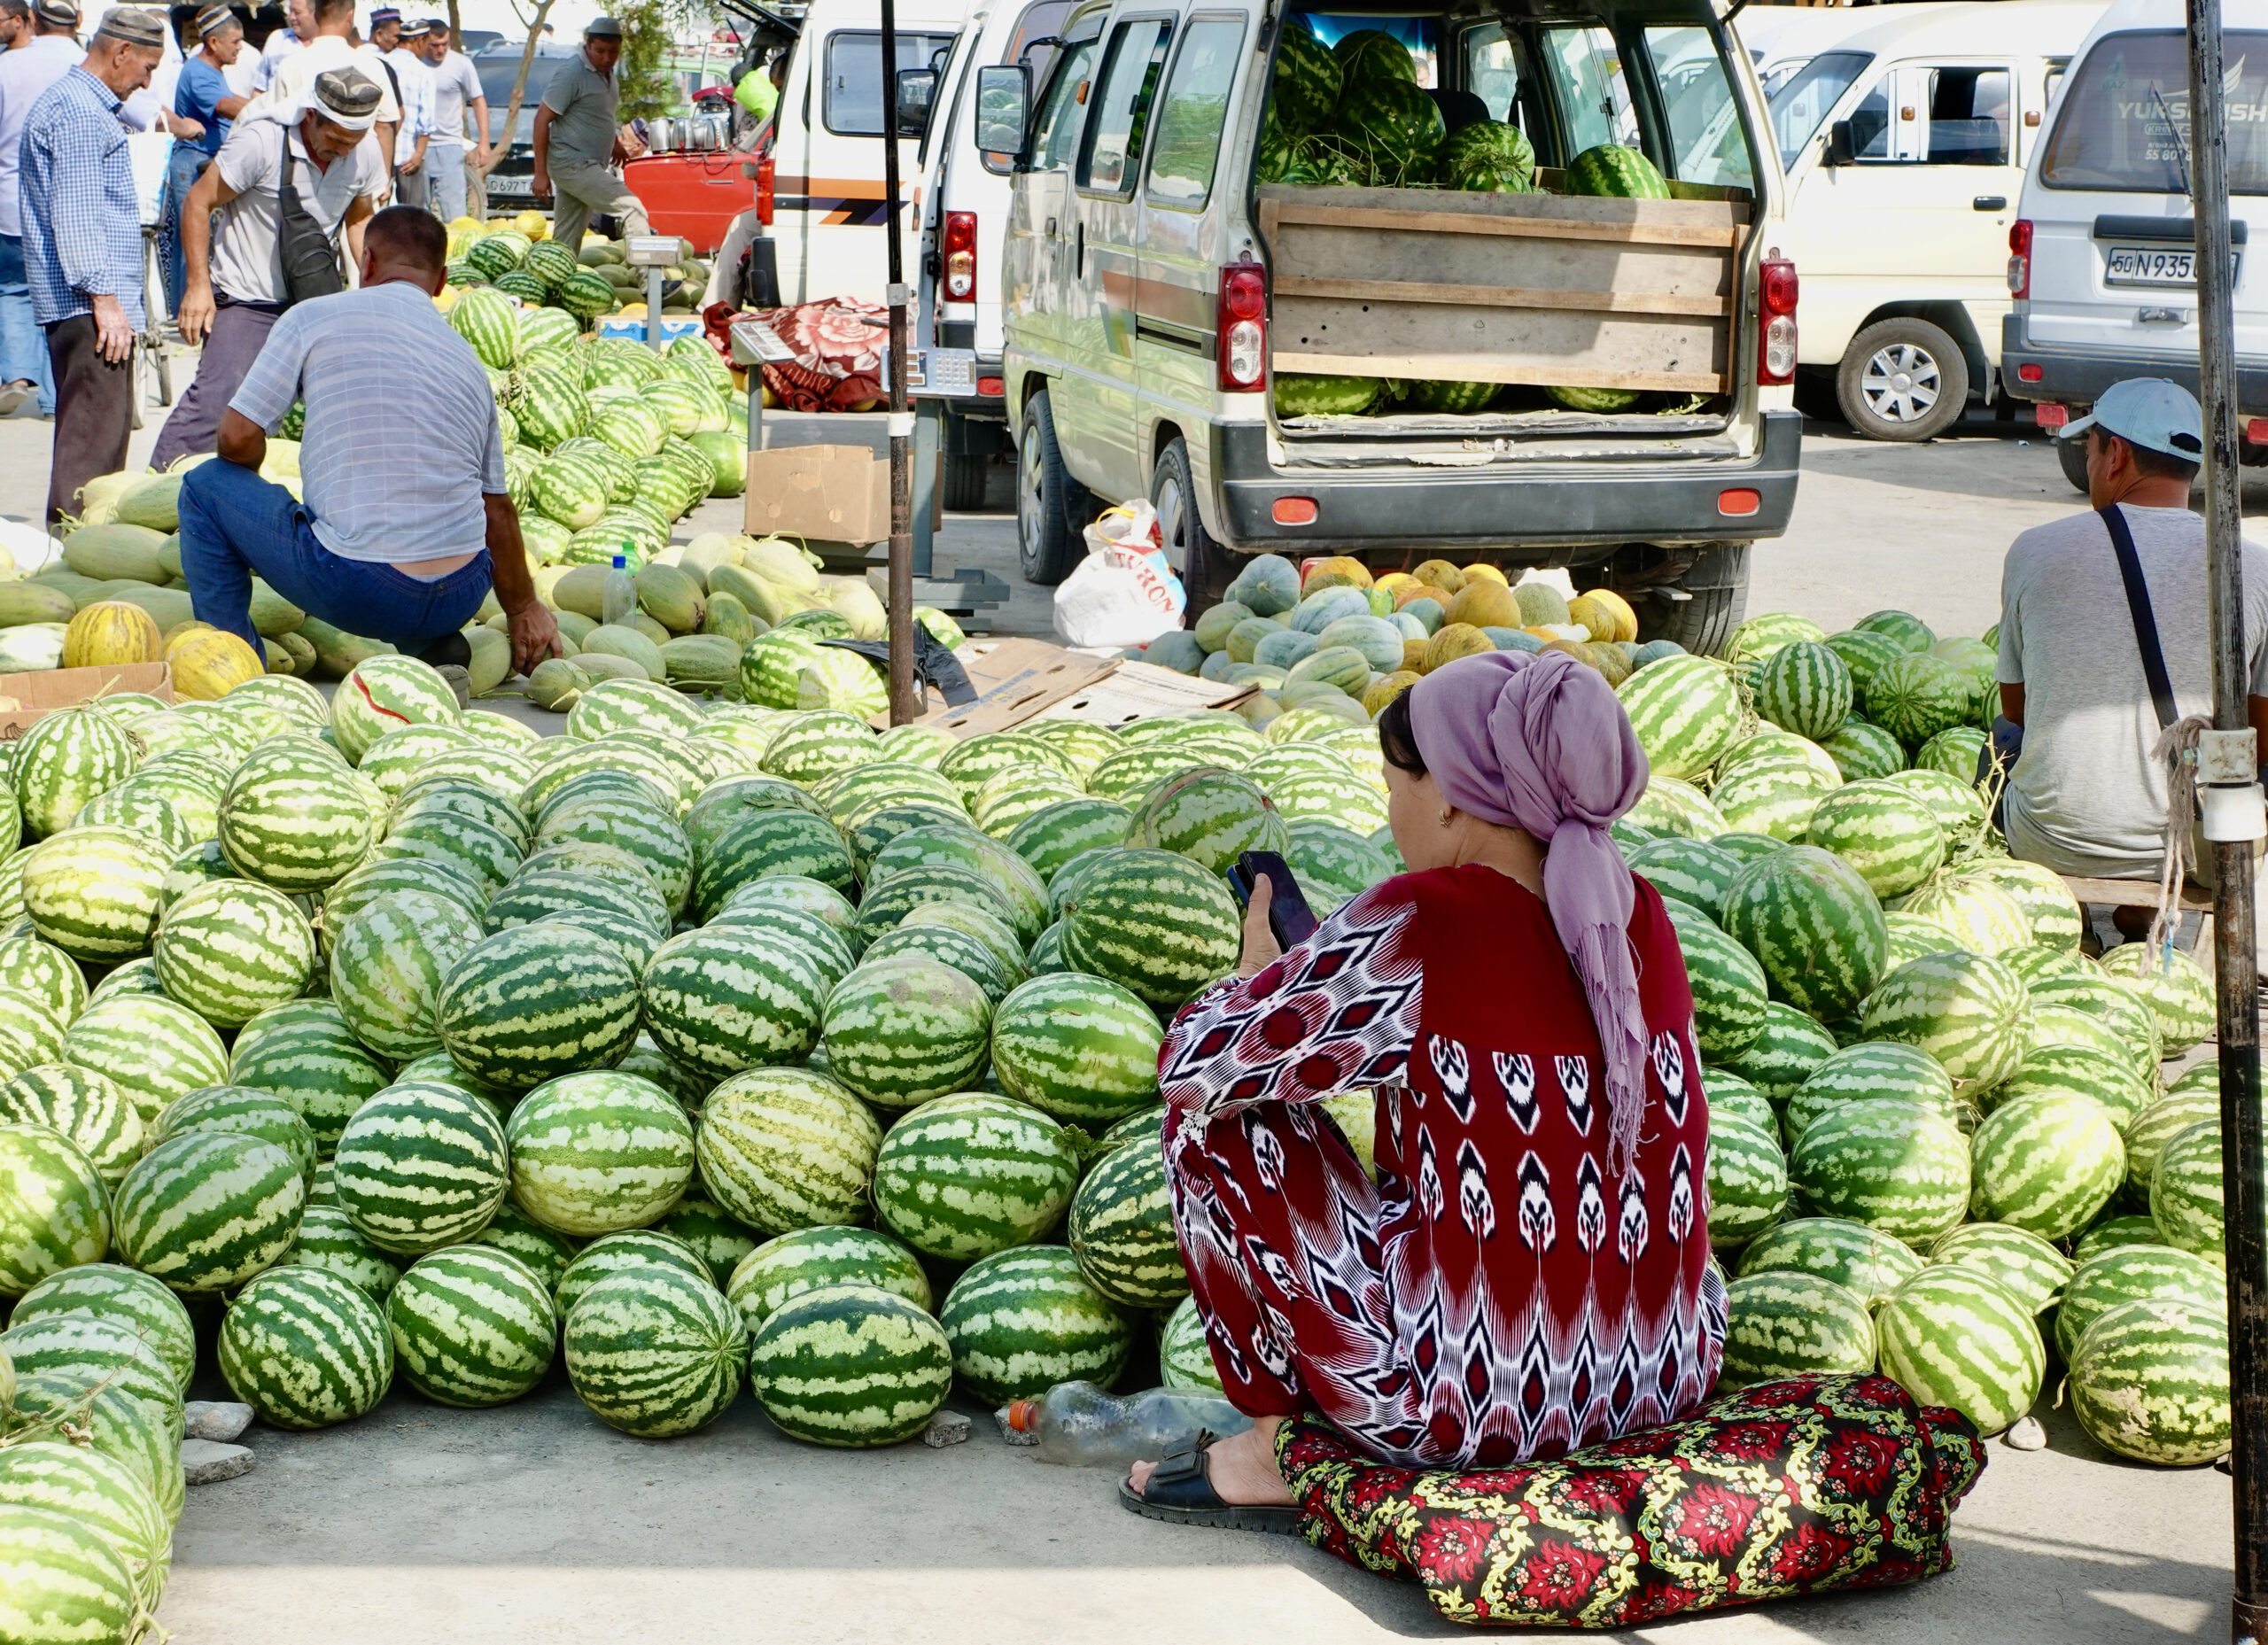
(1545, 289)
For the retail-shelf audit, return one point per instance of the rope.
(2178, 748)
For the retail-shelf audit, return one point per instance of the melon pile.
(519, 258)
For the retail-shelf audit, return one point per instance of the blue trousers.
(23, 345)
(234, 523)
(181, 172)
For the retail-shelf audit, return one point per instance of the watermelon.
(1122, 1228)
(1211, 816)
(1805, 688)
(1858, 1258)
(1965, 1010)
(1892, 839)
(1153, 922)
(817, 1259)
(1052, 837)
(724, 999)
(1784, 1054)
(2186, 1190)
(2033, 1271)
(1686, 712)
(1892, 1165)
(316, 1063)
(66, 1578)
(1615, 171)
(113, 1422)
(1023, 1320)
(1299, 394)
(903, 1031)
(964, 1175)
(1728, 1093)
(487, 319)
(1813, 927)
(206, 1211)
(613, 1254)
(1692, 870)
(1487, 156)
(599, 1152)
(229, 950)
(1780, 1323)
(655, 1352)
(1952, 1336)
(306, 1348)
(91, 1113)
(714, 1233)
(1916, 697)
(1907, 631)
(236, 1110)
(472, 1326)
(2176, 989)
(61, 762)
(1867, 1071)
(1982, 916)
(2046, 1162)
(383, 692)
(134, 1302)
(2149, 1131)
(535, 1001)
(327, 1239)
(1773, 795)
(1863, 751)
(107, 1353)
(759, 844)
(787, 1148)
(2124, 1274)
(2150, 1381)
(850, 1365)
(94, 892)
(96, 1492)
(2114, 1233)
(389, 961)
(151, 1048)
(294, 818)
(1077, 1047)
(1185, 1357)
(420, 1165)
(1748, 1182)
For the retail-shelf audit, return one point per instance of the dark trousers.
(94, 413)
(239, 332)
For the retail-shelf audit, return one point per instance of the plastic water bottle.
(619, 597)
(1077, 1425)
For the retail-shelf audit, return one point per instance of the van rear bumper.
(1410, 507)
(2070, 377)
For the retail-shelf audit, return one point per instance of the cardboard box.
(54, 688)
(1016, 679)
(1142, 690)
(838, 494)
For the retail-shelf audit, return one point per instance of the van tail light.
(1240, 339)
(2020, 258)
(764, 168)
(1775, 355)
(960, 257)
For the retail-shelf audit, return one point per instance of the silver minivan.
(2102, 256)
(1148, 308)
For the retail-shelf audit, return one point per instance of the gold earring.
(1443, 819)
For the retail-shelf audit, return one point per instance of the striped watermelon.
(1053, 836)
(2186, 1190)
(901, 1032)
(965, 1175)
(850, 1365)
(111, 1421)
(106, 1353)
(131, 1300)
(1730, 990)
(54, 1214)
(1692, 870)
(1964, 1009)
(513, 1231)
(614, 1254)
(1785, 1053)
(1334, 865)
(306, 1348)
(1185, 1357)
(62, 761)
(1959, 806)
(1865, 1072)
(1916, 695)
(1982, 916)
(1021, 895)
(2047, 1163)
(1894, 1166)
(727, 999)
(480, 852)
(787, 1148)
(816, 1259)
(382, 694)
(90, 1111)
(652, 837)
(2113, 1233)
(2053, 914)
(294, 818)
(1748, 1182)
(206, 1211)
(1780, 1323)
(711, 1231)
(1860, 1259)
(66, 1579)
(758, 844)
(2031, 1270)
(229, 950)
(535, 1001)
(656, 1352)
(1903, 630)
(151, 1048)
(1154, 923)
(1671, 807)
(94, 894)
(1122, 1228)
(489, 322)
(1813, 927)
(1804, 687)
(1023, 1320)
(2150, 1381)
(1686, 712)
(1729, 1094)
(1210, 816)
(2149, 1131)
(389, 962)
(1863, 751)
(1771, 794)
(327, 1239)
(2179, 993)
(237, 1110)
(599, 1152)
(2110, 1279)
(45, 972)
(97, 1493)
(815, 746)
(1952, 1336)
(964, 939)
(1077, 1047)
(420, 1165)
(472, 1326)
(314, 1063)
(1890, 837)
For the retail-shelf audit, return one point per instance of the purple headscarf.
(1537, 741)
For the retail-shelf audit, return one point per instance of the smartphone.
(1288, 914)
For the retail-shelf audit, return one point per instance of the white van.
(2103, 257)
(1904, 146)
(1781, 39)
(960, 217)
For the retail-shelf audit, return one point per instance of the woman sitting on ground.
(1530, 1274)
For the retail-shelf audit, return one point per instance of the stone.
(945, 1428)
(208, 1461)
(220, 1420)
(2025, 1434)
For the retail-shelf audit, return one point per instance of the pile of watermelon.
(519, 260)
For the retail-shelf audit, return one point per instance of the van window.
(1056, 137)
(1586, 69)
(1129, 86)
(1492, 71)
(1706, 139)
(851, 101)
(1970, 113)
(1195, 107)
(2121, 121)
(1805, 100)
(1040, 20)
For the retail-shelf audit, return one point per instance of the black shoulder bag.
(309, 256)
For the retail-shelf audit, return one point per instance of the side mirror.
(1003, 106)
(917, 95)
(1839, 144)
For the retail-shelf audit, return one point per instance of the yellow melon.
(208, 663)
(190, 627)
(1454, 641)
(1442, 574)
(1413, 657)
(110, 634)
(1624, 624)
(1384, 688)
(1340, 571)
(1485, 604)
(1394, 582)
(1408, 591)
(1480, 568)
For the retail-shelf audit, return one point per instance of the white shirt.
(417, 100)
(247, 255)
(295, 75)
(456, 88)
(243, 75)
(24, 73)
(280, 45)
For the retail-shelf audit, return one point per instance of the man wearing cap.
(577, 138)
(456, 90)
(390, 390)
(413, 88)
(36, 62)
(201, 95)
(330, 47)
(315, 169)
(83, 246)
(2085, 797)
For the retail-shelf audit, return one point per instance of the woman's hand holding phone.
(1261, 947)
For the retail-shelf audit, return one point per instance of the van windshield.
(2121, 122)
(1803, 102)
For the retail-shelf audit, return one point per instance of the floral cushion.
(1782, 1488)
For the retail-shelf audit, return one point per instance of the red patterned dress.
(1501, 1295)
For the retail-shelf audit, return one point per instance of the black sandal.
(1181, 1492)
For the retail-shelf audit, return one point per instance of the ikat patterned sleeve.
(1336, 1013)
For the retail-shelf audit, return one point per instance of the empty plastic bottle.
(618, 598)
(1078, 1425)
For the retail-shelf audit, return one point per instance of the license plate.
(2142, 265)
(510, 185)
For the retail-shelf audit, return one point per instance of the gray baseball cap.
(136, 25)
(602, 29)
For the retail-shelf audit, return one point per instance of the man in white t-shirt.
(415, 83)
(283, 44)
(331, 46)
(456, 92)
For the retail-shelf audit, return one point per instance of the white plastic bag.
(1123, 593)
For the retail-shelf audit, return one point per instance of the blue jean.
(234, 523)
(23, 345)
(181, 172)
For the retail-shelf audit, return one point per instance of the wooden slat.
(2131, 893)
(1500, 297)
(1482, 368)
(1276, 213)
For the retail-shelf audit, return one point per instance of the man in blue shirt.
(83, 247)
(201, 94)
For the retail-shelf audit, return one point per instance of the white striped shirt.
(401, 440)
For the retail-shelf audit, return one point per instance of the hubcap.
(1029, 495)
(1172, 517)
(1900, 383)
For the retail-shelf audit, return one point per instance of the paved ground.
(535, 1526)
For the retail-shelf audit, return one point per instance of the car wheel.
(2071, 457)
(1902, 379)
(1716, 586)
(1052, 508)
(965, 477)
(1203, 563)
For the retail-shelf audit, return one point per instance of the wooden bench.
(2144, 894)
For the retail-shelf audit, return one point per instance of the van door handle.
(1051, 227)
(1991, 202)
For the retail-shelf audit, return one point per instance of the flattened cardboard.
(840, 493)
(1016, 679)
(1144, 691)
(50, 689)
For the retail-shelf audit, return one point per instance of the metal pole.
(905, 702)
(2235, 963)
(653, 308)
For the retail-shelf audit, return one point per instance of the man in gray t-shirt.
(576, 139)
(2085, 797)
